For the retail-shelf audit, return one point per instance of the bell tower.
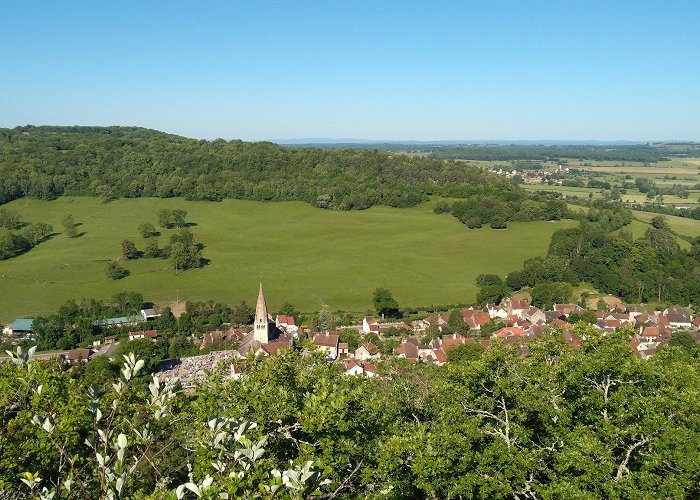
(261, 325)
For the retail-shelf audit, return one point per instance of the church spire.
(261, 326)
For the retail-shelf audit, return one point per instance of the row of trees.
(74, 322)
(596, 422)
(14, 243)
(17, 243)
(499, 207)
(689, 213)
(648, 186)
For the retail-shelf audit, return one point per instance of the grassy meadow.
(682, 226)
(679, 225)
(302, 254)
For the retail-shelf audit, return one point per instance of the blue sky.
(603, 70)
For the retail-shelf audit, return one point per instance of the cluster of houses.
(543, 176)
(521, 322)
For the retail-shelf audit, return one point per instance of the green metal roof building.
(120, 321)
(21, 325)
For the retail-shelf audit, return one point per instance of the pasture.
(679, 225)
(304, 255)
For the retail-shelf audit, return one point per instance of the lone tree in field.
(116, 272)
(172, 218)
(129, 250)
(152, 249)
(183, 251)
(659, 222)
(147, 230)
(385, 304)
(70, 226)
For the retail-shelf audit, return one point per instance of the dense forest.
(602, 252)
(557, 422)
(113, 162)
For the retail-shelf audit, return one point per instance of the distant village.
(542, 176)
(268, 335)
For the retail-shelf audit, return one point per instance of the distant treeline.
(638, 153)
(645, 153)
(113, 162)
(688, 213)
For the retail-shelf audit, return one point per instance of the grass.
(302, 254)
(642, 220)
(679, 225)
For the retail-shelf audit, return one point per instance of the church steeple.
(261, 325)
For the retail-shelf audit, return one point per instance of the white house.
(368, 322)
(367, 351)
(496, 312)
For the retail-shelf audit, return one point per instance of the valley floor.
(309, 256)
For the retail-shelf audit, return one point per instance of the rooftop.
(22, 324)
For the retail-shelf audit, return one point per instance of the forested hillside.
(113, 162)
(603, 252)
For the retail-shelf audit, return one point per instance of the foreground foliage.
(556, 423)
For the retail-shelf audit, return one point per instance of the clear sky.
(425, 70)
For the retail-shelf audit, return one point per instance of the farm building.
(19, 328)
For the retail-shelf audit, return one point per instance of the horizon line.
(360, 140)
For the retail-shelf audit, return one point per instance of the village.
(541, 176)
(520, 322)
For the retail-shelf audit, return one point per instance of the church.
(266, 338)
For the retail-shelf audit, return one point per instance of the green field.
(632, 195)
(679, 225)
(581, 192)
(302, 254)
(642, 220)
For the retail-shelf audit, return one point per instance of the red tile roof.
(518, 304)
(326, 340)
(78, 354)
(508, 331)
(450, 341)
(440, 355)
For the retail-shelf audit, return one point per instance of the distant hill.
(130, 162)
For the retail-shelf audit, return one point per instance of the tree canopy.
(385, 304)
(558, 422)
